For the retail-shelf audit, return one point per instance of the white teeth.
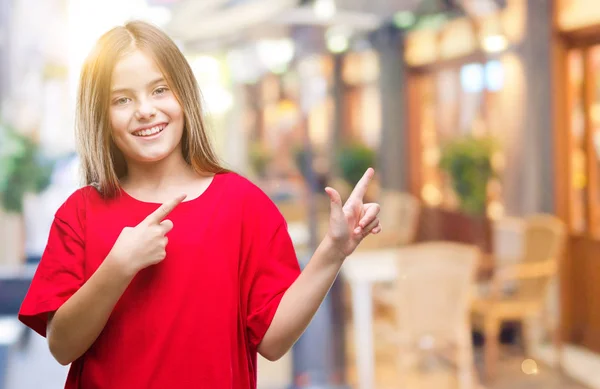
(149, 131)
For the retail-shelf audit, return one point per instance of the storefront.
(275, 119)
(329, 100)
(361, 95)
(465, 78)
(577, 144)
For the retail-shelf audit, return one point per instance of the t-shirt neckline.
(198, 198)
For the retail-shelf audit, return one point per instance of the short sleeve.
(276, 268)
(60, 272)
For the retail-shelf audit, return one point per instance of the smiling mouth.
(150, 131)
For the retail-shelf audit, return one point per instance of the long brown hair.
(102, 162)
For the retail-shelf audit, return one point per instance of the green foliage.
(22, 169)
(259, 158)
(354, 160)
(468, 163)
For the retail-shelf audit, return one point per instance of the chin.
(153, 159)
(145, 157)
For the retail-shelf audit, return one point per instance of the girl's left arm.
(348, 226)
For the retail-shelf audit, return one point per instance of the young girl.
(167, 270)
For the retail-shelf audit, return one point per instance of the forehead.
(135, 70)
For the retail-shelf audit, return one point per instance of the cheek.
(118, 122)
(176, 117)
(173, 109)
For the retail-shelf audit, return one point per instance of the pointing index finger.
(361, 187)
(164, 210)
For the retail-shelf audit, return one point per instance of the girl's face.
(145, 117)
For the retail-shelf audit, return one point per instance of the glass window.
(455, 101)
(584, 139)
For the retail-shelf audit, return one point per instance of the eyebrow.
(121, 90)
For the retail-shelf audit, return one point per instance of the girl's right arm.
(74, 327)
(78, 322)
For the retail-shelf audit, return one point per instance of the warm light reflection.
(338, 38)
(431, 195)
(324, 9)
(529, 367)
(209, 73)
(495, 43)
(276, 54)
(337, 43)
(498, 161)
(495, 210)
(432, 156)
(205, 67)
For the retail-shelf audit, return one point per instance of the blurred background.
(481, 118)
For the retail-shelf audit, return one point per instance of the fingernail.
(357, 230)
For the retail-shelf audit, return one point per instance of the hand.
(145, 244)
(351, 223)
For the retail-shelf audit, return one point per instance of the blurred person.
(167, 270)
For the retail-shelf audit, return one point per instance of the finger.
(376, 230)
(166, 225)
(164, 210)
(335, 198)
(371, 212)
(365, 231)
(371, 226)
(358, 193)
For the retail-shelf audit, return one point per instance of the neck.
(172, 170)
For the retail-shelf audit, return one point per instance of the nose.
(145, 110)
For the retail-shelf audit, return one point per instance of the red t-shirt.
(192, 321)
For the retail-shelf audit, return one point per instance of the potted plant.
(259, 157)
(23, 170)
(468, 163)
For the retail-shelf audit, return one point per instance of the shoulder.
(82, 196)
(251, 197)
(75, 205)
(242, 188)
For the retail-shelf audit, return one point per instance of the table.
(362, 269)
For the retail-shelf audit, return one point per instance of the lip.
(149, 126)
(150, 137)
